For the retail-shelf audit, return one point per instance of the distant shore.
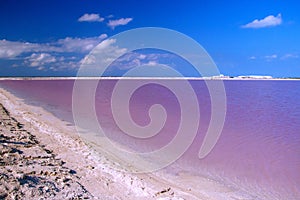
(146, 78)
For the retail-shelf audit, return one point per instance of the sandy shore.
(29, 169)
(42, 156)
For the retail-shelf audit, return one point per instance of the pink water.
(259, 148)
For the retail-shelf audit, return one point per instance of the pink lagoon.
(257, 153)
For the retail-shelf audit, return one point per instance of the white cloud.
(68, 54)
(252, 58)
(108, 51)
(152, 63)
(266, 22)
(271, 57)
(61, 54)
(142, 56)
(106, 44)
(289, 55)
(118, 22)
(11, 49)
(134, 59)
(80, 44)
(89, 59)
(112, 23)
(39, 60)
(91, 18)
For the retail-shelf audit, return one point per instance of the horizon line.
(146, 78)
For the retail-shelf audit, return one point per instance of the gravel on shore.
(28, 170)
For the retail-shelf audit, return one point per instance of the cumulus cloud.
(89, 59)
(80, 44)
(142, 56)
(91, 18)
(268, 21)
(40, 59)
(112, 23)
(134, 59)
(60, 54)
(152, 63)
(69, 54)
(118, 22)
(119, 62)
(11, 49)
(108, 51)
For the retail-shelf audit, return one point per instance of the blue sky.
(50, 37)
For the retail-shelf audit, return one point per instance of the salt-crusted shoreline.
(95, 174)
